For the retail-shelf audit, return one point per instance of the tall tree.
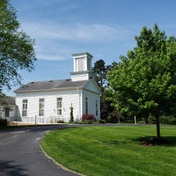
(100, 73)
(145, 80)
(16, 47)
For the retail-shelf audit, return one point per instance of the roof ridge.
(49, 80)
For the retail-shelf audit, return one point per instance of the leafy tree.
(110, 67)
(145, 81)
(16, 48)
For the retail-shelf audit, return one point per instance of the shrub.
(168, 120)
(88, 117)
(172, 121)
(141, 122)
(151, 119)
(3, 122)
(87, 122)
(102, 121)
(60, 121)
(112, 120)
(164, 119)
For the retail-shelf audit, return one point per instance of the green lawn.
(113, 151)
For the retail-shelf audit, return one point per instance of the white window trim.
(43, 108)
(61, 109)
(24, 109)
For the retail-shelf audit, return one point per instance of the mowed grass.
(113, 150)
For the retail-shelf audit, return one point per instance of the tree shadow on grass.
(168, 141)
(8, 168)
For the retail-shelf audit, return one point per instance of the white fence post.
(35, 119)
(134, 119)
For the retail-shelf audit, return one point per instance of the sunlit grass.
(104, 151)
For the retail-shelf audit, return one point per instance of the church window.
(24, 107)
(96, 105)
(41, 106)
(86, 103)
(59, 106)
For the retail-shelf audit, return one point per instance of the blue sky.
(104, 28)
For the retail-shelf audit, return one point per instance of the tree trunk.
(158, 126)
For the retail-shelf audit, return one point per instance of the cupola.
(82, 67)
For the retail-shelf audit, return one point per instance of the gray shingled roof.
(50, 85)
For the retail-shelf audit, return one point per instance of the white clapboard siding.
(74, 97)
(50, 103)
(92, 97)
(80, 77)
(92, 86)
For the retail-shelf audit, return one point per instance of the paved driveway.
(21, 155)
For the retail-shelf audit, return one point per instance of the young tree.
(71, 113)
(145, 80)
(16, 48)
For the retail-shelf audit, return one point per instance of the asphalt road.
(21, 155)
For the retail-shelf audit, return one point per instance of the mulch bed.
(152, 141)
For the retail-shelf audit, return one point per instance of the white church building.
(51, 101)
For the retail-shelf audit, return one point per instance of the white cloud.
(94, 32)
(57, 42)
(98, 32)
(52, 51)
